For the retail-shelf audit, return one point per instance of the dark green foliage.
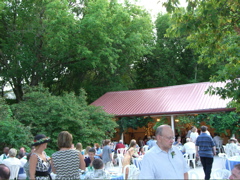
(49, 114)
(133, 122)
(12, 132)
(171, 62)
(163, 120)
(220, 122)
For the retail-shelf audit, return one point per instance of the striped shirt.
(205, 144)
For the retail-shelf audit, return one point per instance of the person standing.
(107, 153)
(164, 161)
(67, 161)
(194, 135)
(38, 162)
(205, 148)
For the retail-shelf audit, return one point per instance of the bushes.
(41, 112)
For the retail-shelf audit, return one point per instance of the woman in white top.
(194, 135)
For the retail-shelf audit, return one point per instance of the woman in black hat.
(38, 162)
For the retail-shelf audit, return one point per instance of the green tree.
(213, 29)
(49, 114)
(133, 122)
(12, 132)
(113, 36)
(67, 46)
(171, 61)
(38, 40)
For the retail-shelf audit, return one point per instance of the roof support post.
(172, 125)
(122, 138)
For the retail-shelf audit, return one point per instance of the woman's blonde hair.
(87, 149)
(132, 143)
(65, 140)
(79, 146)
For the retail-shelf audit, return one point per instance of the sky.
(155, 6)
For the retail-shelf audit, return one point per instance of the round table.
(231, 162)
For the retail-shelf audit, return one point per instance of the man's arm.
(214, 150)
(186, 176)
(196, 151)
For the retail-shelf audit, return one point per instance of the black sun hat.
(40, 139)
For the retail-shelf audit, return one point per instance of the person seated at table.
(189, 147)
(98, 172)
(98, 149)
(5, 154)
(23, 159)
(88, 160)
(79, 148)
(12, 160)
(119, 145)
(86, 151)
(141, 151)
(178, 142)
(232, 143)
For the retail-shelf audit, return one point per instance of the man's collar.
(157, 149)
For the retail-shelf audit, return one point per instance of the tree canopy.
(93, 43)
(171, 62)
(212, 28)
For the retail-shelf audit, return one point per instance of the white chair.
(145, 148)
(191, 158)
(221, 174)
(133, 172)
(192, 175)
(120, 159)
(223, 156)
(185, 156)
(14, 169)
(121, 151)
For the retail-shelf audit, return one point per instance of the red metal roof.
(180, 99)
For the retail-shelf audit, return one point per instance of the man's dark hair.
(97, 164)
(21, 154)
(204, 128)
(92, 150)
(4, 172)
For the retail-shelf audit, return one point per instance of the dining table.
(231, 162)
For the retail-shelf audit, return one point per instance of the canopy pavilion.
(164, 101)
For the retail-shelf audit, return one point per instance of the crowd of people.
(163, 160)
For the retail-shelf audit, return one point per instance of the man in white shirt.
(4, 155)
(164, 161)
(189, 147)
(216, 139)
(12, 160)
